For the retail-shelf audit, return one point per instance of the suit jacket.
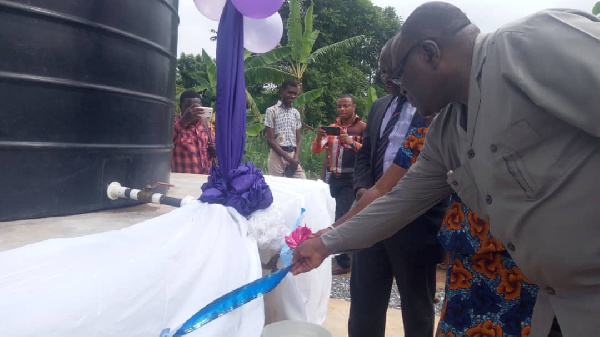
(527, 159)
(419, 239)
(364, 177)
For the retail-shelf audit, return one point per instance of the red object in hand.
(296, 237)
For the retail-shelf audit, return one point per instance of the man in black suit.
(411, 255)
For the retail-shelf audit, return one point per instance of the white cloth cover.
(158, 273)
(302, 297)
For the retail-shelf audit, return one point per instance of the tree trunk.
(301, 108)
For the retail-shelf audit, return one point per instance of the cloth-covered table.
(156, 274)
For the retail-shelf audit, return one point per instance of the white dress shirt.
(397, 136)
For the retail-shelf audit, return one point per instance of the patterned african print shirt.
(285, 122)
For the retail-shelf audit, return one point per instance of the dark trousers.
(555, 330)
(373, 271)
(342, 190)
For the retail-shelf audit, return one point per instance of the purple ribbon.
(242, 187)
(246, 189)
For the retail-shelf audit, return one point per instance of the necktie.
(385, 138)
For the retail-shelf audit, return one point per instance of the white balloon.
(262, 35)
(211, 9)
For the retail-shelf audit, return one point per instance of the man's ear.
(431, 52)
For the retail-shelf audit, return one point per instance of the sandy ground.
(338, 310)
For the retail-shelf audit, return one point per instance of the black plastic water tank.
(86, 91)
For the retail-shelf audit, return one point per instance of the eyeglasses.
(396, 76)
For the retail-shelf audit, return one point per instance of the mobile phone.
(331, 130)
(206, 112)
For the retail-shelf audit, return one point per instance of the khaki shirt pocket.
(530, 163)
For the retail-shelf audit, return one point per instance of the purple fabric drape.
(231, 90)
(230, 184)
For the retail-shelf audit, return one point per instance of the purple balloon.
(257, 9)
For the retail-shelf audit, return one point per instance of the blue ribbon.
(239, 296)
(230, 301)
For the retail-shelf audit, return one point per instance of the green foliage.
(200, 74)
(335, 48)
(254, 129)
(346, 17)
(191, 73)
(596, 9)
(211, 72)
(352, 69)
(371, 98)
(260, 69)
(269, 57)
(302, 41)
(257, 151)
(190, 68)
(341, 78)
(319, 49)
(308, 96)
(294, 30)
(311, 163)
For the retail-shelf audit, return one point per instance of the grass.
(257, 152)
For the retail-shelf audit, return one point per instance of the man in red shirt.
(341, 153)
(193, 148)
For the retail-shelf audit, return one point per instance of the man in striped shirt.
(341, 152)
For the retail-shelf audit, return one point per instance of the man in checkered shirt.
(193, 148)
(283, 126)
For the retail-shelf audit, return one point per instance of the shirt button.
(493, 148)
(471, 153)
(550, 291)
(488, 199)
(510, 246)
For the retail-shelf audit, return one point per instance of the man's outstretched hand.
(309, 255)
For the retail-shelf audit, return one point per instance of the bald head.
(434, 19)
(387, 44)
(431, 58)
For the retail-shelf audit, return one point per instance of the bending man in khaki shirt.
(519, 144)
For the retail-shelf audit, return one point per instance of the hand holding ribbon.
(308, 256)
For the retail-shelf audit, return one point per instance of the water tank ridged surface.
(86, 91)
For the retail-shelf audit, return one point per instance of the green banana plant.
(290, 61)
(302, 42)
(371, 97)
(258, 69)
